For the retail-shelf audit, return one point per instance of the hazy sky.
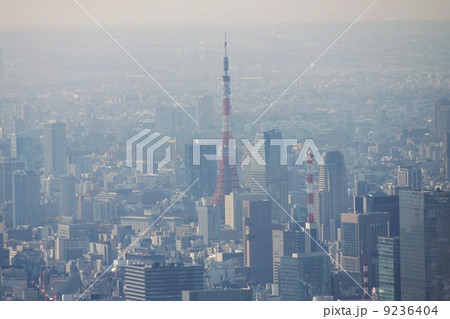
(223, 12)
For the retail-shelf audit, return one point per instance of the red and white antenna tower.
(310, 186)
(227, 178)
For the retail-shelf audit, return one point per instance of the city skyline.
(278, 163)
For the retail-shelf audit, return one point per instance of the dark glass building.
(303, 276)
(389, 268)
(425, 245)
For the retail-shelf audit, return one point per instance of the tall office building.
(4, 254)
(66, 196)
(273, 176)
(380, 203)
(442, 117)
(209, 221)
(23, 148)
(206, 171)
(258, 240)
(425, 245)
(160, 281)
(310, 235)
(410, 177)
(55, 149)
(389, 268)
(322, 216)
(447, 155)
(304, 276)
(233, 208)
(7, 167)
(205, 111)
(333, 179)
(26, 198)
(285, 243)
(360, 234)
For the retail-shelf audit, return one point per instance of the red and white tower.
(310, 225)
(227, 178)
(310, 185)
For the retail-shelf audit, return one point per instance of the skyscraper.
(322, 214)
(23, 148)
(26, 198)
(360, 234)
(258, 240)
(273, 176)
(7, 167)
(66, 196)
(333, 179)
(424, 245)
(209, 221)
(206, 172)
(447, 155)
(227, 178)
(285, 243)
(4, 253)
(160, 281)
(442, 117)
(55, 149)
(233, 208)
(381, 203)
(389, 268)
(410, 177)
(205, 109)
(303, 276)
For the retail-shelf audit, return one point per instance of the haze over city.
(225, 151)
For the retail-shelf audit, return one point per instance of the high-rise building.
(233, 208)
(206, 171)
(310, 235)
(333, 179)
(55, 149)
(24, 149)
(442, 117)
(447, 155)
(26, 198)
(285, 243)
(172, 120)
(424, 245)
(209, 221)
(389, 268)
(160, 281)
(227, 178)
(304, 276)
(359, 235)
(410, 177)
(322, 215)
(7, 167)
(4, 253)
(205, 111)
(380, 203)
(66, 199)
(258, 240)
(273, 176)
